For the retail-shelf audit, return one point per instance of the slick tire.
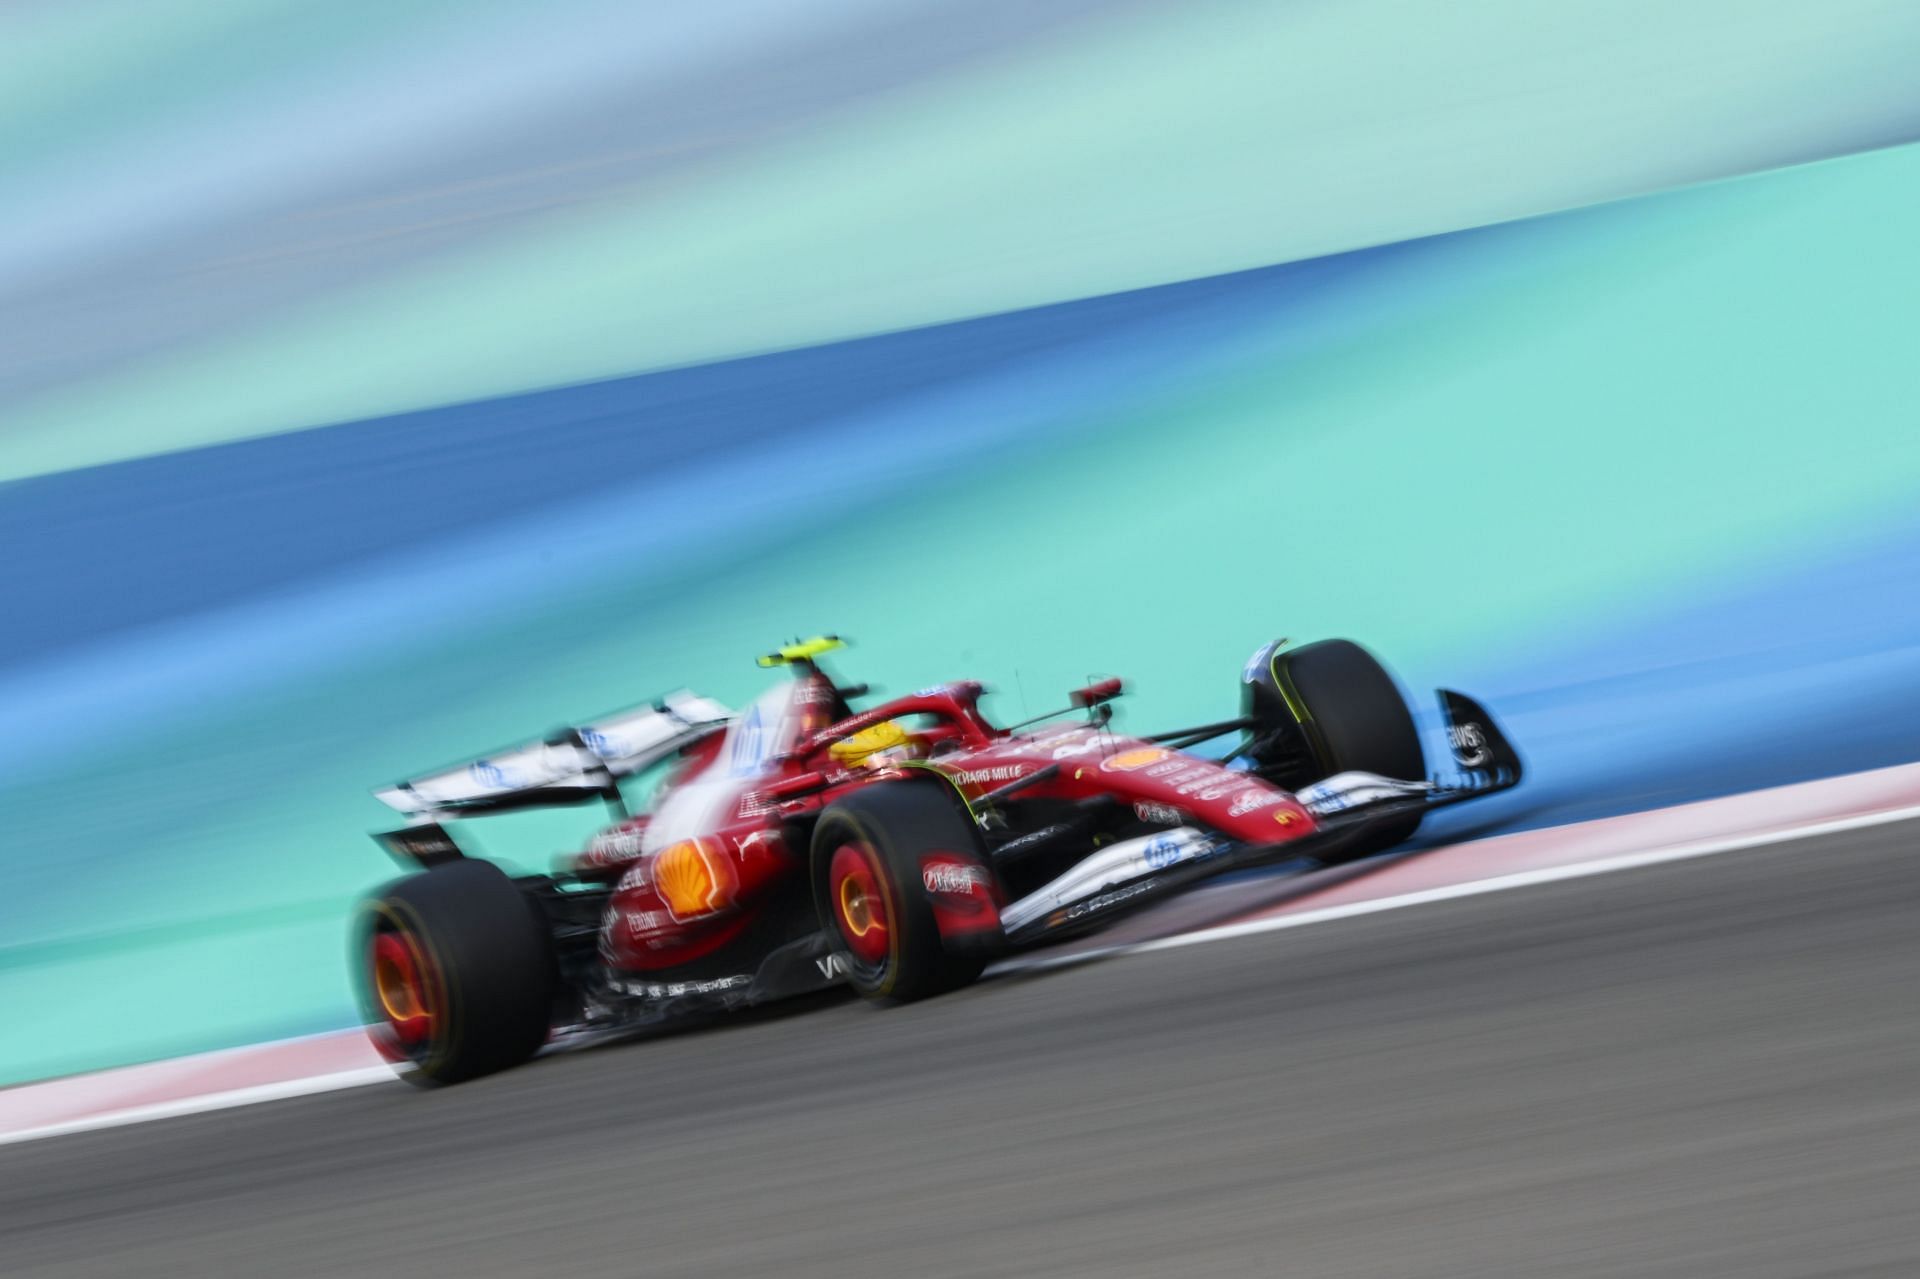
(1356, 719)
(866, 859)
(456, 974)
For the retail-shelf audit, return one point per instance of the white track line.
(212, 1101)
(1525, 879)
(1227, 932)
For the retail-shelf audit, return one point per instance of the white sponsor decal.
(1225, 789)
(833, 965)
(1164, 851)
(1190, 773)
(750, 841)
(1080, 910)
(997, 773)
(490, 776)
(953, 877)
(755, 804)
(1470, 745)
(1114, 865)
(1252, 800)
(1212, 781)
(641, 922)
(747, 752)
(671, 989)
(1321, 801)
(1068, 745)
(1355, 790)
(674, 989)
(1166, 813)
(615, 845)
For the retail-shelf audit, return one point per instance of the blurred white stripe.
(303, 138)
(1526, 879)
(213, 1101)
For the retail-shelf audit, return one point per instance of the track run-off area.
(1648, 1058)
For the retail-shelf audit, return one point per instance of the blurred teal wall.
(1469, 452)
(1616, 465)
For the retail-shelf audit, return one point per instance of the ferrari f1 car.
(803, 844)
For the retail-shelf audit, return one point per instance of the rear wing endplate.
(426, 845)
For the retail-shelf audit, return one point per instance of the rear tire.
(1354, 720)
(867, 851)
(456, 973)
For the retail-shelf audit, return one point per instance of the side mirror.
(1093, 694)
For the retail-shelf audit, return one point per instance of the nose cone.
(1201, 791)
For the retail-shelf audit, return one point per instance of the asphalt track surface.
(1702, 1068)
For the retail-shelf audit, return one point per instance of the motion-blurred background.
(385, 382)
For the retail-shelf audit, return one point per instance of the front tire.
(456, 973)
(869, 852)
(1343, 706)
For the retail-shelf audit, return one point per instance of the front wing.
(1126, 876)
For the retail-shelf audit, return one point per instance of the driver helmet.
(878, 746)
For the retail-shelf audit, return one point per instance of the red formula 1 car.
(802, 844)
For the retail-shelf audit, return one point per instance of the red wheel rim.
(400, 988)
(860, 903)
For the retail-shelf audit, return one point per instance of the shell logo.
(693, 878)
(1129, 761)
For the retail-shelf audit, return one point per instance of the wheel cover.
(400, 988)
(860, 906)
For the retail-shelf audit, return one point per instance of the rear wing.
(573, 766)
